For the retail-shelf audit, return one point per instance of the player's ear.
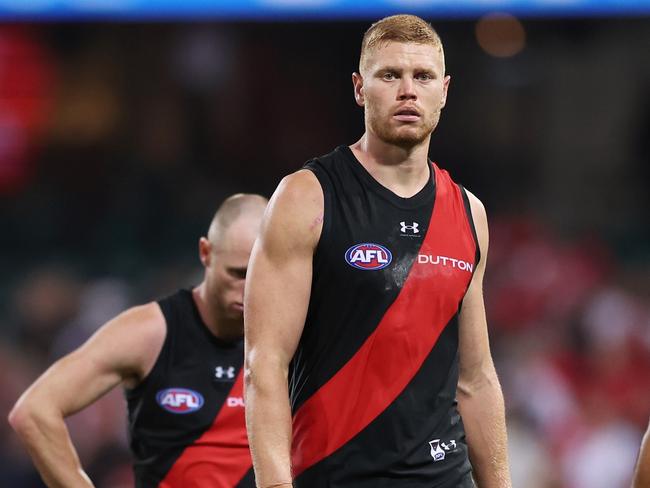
(445, 89)
(357, 83)
(205, 248)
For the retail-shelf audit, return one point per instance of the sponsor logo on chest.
(235, 401)
(368, 256)
(179, 400)
(438, 260)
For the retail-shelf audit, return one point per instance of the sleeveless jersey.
(373, 380)
(186, 418)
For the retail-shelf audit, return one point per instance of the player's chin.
(236, 310)
(407, 138)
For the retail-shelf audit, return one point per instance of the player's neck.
(404, 171)
(224, 328)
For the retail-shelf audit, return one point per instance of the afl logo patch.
(368, 256)
(179, 400)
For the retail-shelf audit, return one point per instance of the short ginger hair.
(399, 28)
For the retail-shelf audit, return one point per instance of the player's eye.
(237, 273)
(389, 76)
(424, 76)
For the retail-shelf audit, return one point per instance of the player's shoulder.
(133, 339)
(476, 205)
(140, 324)
(147, 313)
(300, 185)
(479, 216)
(298, 195)
(295, 212)
(306, 184)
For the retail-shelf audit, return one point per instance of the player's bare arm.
(642, 471)
(278, 288)
(480, 399)
(121, 351)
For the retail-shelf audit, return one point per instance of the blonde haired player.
(367, 356)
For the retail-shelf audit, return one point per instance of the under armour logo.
(224, 373)
(413, 228)
(450, 446)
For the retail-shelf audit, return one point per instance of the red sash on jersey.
(392, 355)
(220, 457)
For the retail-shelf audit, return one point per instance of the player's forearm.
(481, 406)
(268, 420)
(48, 442)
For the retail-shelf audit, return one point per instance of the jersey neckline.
(422, 197)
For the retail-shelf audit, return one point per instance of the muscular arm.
(480, 400)
(278, 286)
(124, 349)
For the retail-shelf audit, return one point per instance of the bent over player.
(367, 355)
(179, 360)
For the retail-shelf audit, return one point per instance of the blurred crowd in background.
(118, 142)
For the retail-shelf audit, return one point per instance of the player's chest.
(380, 252)
(194, 381)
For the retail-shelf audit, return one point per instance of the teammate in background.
(364, 309)
(642, 471)
(179, 360)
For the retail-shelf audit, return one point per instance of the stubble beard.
(397, 136)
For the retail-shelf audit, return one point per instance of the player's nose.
(406, 89)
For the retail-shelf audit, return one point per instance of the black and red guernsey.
(186, 419)
(373, 380)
